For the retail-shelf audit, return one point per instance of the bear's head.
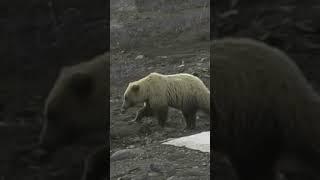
(75, 107)
(133, 95)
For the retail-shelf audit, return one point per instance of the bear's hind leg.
(145, 111)
(190, 118)
(162, 115)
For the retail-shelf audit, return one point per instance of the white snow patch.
(200, 141)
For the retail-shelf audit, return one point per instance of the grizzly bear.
(263, 108)
(158, 92)
(77, 104)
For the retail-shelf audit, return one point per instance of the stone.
(139, 57)
(126, 154)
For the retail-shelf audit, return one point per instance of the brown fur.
(158, 92)
(263, 108)
(77, 103)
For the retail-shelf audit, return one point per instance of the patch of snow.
(200, 141)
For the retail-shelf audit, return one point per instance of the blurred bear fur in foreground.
(263, 108)
(77, 105)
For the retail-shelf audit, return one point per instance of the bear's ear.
(82, 84)
(135, 88)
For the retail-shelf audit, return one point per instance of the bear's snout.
(122, 110)
(125, 106)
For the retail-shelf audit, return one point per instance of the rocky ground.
(155, 161)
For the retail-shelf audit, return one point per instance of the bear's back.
(97, 66)
(185, 83)
(176, 78)
(245, 68)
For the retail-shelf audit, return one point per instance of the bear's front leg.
(145, 111)
(162, 116)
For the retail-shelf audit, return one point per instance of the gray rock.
(153, 174)
(139, 57)
(163, 168)
(124, 130)
(193, 172)
(175, 156)
(131, 146)
(126, 154)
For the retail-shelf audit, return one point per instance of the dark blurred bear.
(77, 105)
(263, 108)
